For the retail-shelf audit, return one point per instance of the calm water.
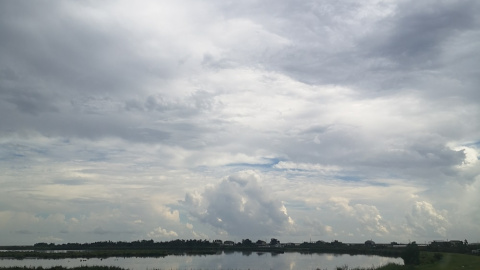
(233, 260)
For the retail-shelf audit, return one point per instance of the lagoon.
(222, 260)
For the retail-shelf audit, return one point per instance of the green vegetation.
(432, 261)
(411, 254)
(100, 254)
(64, 268)
(385, 267)
(439, 261)
(448, 261)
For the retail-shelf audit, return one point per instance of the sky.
(297, 120)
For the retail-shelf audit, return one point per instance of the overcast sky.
(323, 120)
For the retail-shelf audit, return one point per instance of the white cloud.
(425, 221)
(367, 216)
(240, 206)
(160, 234)
(166, 213)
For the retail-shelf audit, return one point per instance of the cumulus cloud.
(425, 221)
(240, 206)
(367, 217)
(161, 233)
(166, 213)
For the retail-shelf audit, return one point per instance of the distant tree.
(411, 254)
(274, 242)
(369, 243)
(247, 242)
(336, 243)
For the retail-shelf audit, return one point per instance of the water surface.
(223, 260)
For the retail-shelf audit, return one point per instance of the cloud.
(421, 29)
(240, 206)
(425, 221)
(168, 214)
(23, 232)
(160, 233)
(100, 230)
(350, 112)
(366, 216)
(50, 239)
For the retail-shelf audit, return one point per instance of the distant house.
(456, 243)
(261, 243)
(439, 243)
(228, 243)
(218, 242)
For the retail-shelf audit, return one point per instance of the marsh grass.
(390, 266)
(431, 261)
(64, 268)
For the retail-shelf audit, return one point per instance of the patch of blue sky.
(360, 179)
(71, 182)
(12, 155)
(98, 156)
(293, 169)
(297, 205)
(268, 164)
(42, 215)
(377, 183)
(9, 151)
(475, 144)
(182, 213)
(349, 178)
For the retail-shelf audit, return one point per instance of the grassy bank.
(64, 268)
(448, 261)
(440, 261)
(433, 261)
(100, 254)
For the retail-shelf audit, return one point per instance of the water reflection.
(223, 260)
(246, 253)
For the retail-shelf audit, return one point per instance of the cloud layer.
(330, 120)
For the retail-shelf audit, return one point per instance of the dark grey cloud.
(417, 33)
(71, 75)
(334, 42)
(70, 52)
